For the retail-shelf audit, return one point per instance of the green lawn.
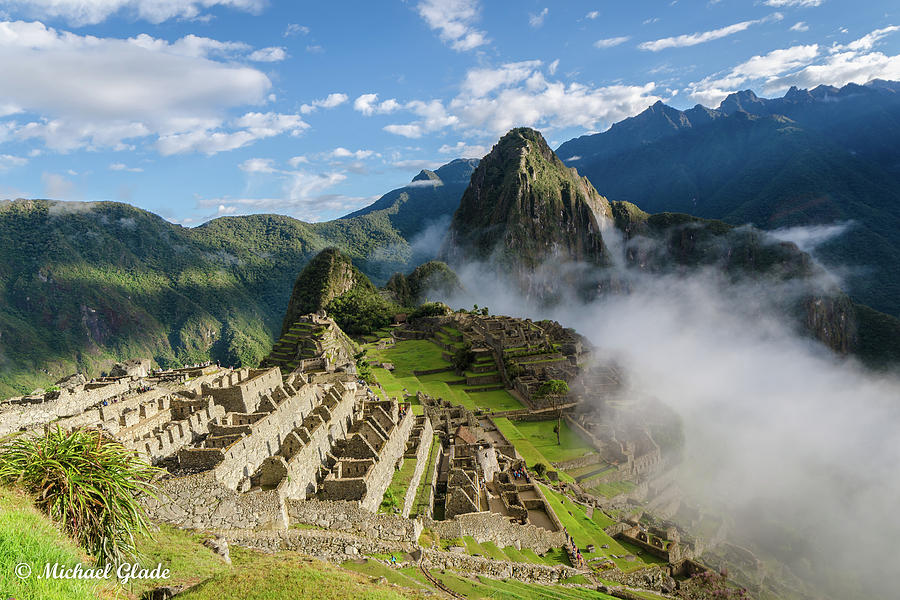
(375, 568)
(396, 491)
(589, 531)
(28, 537)
(424, 491)
(496, 400)
(609, 489)
(410, 355)
(541, 435)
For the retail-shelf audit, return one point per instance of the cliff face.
(524, 207)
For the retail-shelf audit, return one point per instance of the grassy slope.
(26, 536)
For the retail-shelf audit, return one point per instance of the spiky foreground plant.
(86, 481)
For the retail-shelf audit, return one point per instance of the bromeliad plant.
(88, 482)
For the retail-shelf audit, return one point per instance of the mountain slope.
(85, 284)
(523, 206)
(812, 157)
(536, 222)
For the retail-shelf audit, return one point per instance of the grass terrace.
(392, 502)
(587, 531)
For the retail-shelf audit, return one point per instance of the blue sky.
(199, 108)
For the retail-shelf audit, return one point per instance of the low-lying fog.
(799, 447)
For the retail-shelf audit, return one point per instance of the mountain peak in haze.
(524, 207)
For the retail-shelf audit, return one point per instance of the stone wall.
(380, 476)
(302, 468)
(496, 569)
(492, 527)
(241, 391)
(23, 413)
(332, 546)
(200, 502)
(425, 440)
(348, 516)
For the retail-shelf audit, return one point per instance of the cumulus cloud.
(465, 150)
(800, 26)
(271, 54)
(91, 12)
(258, 165)
(713, 89)
(86, 91)
(247, 129)
(454, 21)
(329, 101)
(538, 19)
(493, 100)
(693, 39)
(592, 15)
(804, 66)
(294, 29)
(341, 152)
(613, 41)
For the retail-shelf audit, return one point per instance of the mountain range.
(813, 157)
(83, 284)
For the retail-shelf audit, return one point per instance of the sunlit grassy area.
(590, 531)
(28, 537)
(542, 437)
(410, 355)
(496, 400)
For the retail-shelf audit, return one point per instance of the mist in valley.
(796, 447)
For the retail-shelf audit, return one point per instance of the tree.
(555, 392)
(539, 469)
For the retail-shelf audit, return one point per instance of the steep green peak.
(328, 275)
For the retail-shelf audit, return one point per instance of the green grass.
(411, 355)
(422, 494)
(439, 389)
(286, 576)
(180, 551)
(27, 536)
(610, 489)
(588, 531)
(396, 491)
(529, 452)
(496, 400)
(541, 435)
(491, 550)
(374, 568)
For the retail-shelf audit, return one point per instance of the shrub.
(87, 482)
(539, 469)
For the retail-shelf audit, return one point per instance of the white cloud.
(341, 152)
(453, 20)
(792, 3)
(297, 160)
(592, 15)
(804, 67)
(610, 42)
(493, 100)
(247, 129)
(295, 29)
(705, 36)
(800, 26)
(91, 12)
(123, 167)
(368, 105)
(538, 19)
(711, 90)
(271, 54)
(465, 150)
(96, 92)
(8, 161)
(258, 165)
(552, 67)
(417, 165)
(329, 101)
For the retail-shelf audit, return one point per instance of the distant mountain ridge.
(85, 284)
(812, 157)
(538, 225)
